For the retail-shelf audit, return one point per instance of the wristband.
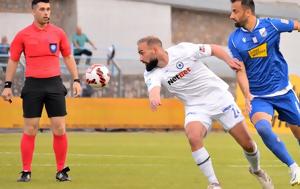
(7, 84)
(76, 80)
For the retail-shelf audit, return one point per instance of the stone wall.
(64, 13)
(200, 27)
(17, 6)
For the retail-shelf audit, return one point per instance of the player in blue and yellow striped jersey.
(264, 76)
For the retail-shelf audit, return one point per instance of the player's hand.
(7, 94)
(76, 89)
(154, 103)
(248, 104)
(234, 64)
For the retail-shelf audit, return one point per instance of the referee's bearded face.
(239, 14)
(41, 13)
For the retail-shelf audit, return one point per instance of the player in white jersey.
(204, 95)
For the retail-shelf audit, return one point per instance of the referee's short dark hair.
(35, 2)
(247, 3)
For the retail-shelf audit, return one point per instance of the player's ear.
(155, 48)
(248, 12)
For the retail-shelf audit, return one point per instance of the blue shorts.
(286, 105)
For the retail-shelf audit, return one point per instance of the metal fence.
(121, 85)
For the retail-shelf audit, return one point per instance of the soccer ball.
(97, 76)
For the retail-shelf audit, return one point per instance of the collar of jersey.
(38, 29)
(257, 23)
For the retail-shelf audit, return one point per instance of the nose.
(141, 59)
(231, 16)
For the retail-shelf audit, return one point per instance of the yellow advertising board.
(278, 126)
(103, 113)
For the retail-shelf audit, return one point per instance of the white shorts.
(226, 112)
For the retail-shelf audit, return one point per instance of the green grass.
(138, 161)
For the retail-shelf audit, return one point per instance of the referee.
(41, 43)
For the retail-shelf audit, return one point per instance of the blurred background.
(129, 159)
(114, 26)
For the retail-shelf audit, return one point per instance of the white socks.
(293, 167)
(203, 160)
(253, 159)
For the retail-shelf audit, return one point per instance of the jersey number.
(236, 112)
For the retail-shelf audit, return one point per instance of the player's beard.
(240, 24)
(152, 64)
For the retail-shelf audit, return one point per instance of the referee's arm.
(71, 65)
(11, 70)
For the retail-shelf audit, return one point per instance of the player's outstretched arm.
(244, 85)
(219, 52)
(154, 98)
(71, 65)
(10, 72)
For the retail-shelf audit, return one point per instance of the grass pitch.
(142, 160)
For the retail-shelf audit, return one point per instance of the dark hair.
(247, 3)
(35, 2)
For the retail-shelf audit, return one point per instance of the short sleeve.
(198, 50)
(64, 45)
(234, 52)
(152, 79)
(282, 25)
(16, 48)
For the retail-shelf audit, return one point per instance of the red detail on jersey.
(202, 48)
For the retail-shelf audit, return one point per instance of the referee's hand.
(7, 94)
(76, 89)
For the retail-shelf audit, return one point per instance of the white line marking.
(263, 165)
(93, 165)
(131, 165)
(103, 155)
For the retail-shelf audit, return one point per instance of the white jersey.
(187, 77)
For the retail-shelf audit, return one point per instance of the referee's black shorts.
(39, 91)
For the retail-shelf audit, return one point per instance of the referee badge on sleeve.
(53, 47)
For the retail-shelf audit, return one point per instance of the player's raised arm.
(154, 98)
(219, 52)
